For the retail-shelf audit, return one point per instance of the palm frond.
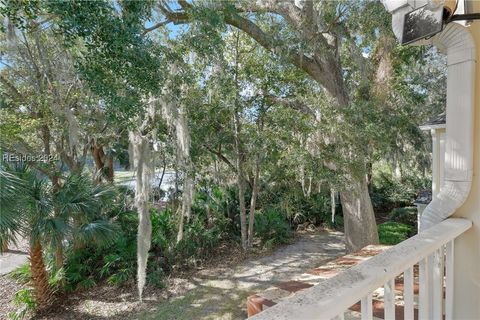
(12, 193)
(80, 198)
(99, 232)
(51, 230)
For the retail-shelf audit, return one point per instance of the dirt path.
(14, 257)
(220, 293)
(216, 292)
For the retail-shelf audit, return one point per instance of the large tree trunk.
(358, 216)
(39, 275)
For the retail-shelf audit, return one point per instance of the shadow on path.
(220, 293)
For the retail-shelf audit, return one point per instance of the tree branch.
(154, 27)
(221, 157)
(14, 92)
(323, 68)
(293, 104)
(171, 16)
(302, 61)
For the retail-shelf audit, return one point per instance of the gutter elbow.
(453, 196)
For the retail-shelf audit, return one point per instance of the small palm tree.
(26, 211)
(30, 209)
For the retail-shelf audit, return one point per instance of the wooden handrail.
(332, 297)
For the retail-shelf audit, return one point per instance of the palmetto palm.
(32, 210)
(84, 203)
(27, 212)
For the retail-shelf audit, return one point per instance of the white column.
(435, 162)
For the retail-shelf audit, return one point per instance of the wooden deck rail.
(431, 249)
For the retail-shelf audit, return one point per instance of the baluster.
(408, 293)
(367, 311)
(449, 280)
(424, 308)
(389, 299)
(437, 284)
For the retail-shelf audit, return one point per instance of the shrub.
(288, 199)
(198, 240)
(22, 274)
(120, 265)
(406, 215)
(164, 237)
(25, 301)
(392, 233)
(389, 192)
(272, 228)
(85, 266)
(155, 276)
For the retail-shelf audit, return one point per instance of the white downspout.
(457, 42)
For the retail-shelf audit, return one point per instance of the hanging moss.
(142, 161)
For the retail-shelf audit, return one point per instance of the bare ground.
(9, 261)
(217, 291)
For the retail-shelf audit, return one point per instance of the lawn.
(392, 233)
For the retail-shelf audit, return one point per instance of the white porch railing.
(432, 249)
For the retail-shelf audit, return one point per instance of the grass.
(125, 175)
(392, 233)
(203, 302)
(122, 176)
(22, 274)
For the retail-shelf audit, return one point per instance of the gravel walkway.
(220, 293)
(14, 257)
(215, 292)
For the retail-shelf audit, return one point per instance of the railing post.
(389, 299)
(408, 294)
(437, 284)
(449, 262)
(366, 308)
(424, 294)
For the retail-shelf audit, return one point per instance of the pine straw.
(9, 288)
